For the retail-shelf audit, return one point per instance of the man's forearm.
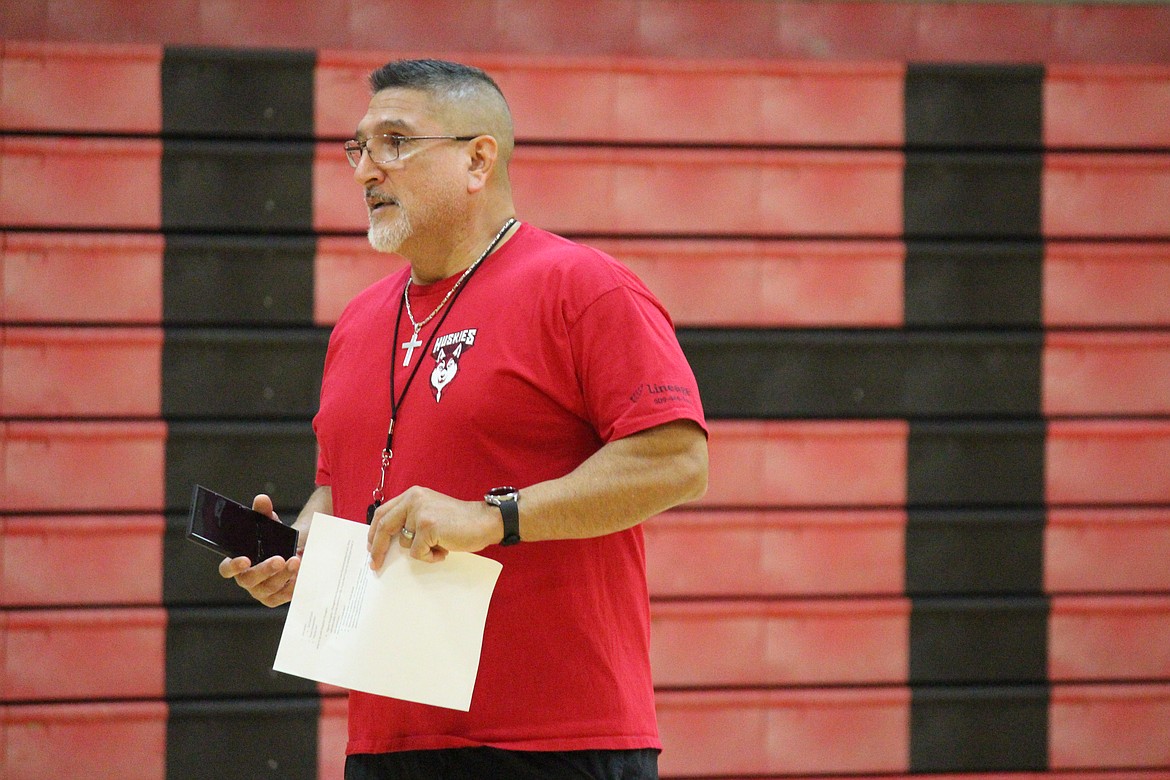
(321, 500)
(622, 484)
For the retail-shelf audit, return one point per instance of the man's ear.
(481, 162)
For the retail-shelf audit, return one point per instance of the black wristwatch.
(508, 500)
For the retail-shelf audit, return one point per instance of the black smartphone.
(234, 530)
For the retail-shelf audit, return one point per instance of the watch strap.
(508, 501)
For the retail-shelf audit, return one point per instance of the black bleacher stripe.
(237, 186)
(975, 463)
(241, 459)
(251, 183)
(974, 106)
(973, 135)
(973, 173)
(227, 652)
(979, 728)
(237, 175)
(872, 373)
(971, 195)
(974, 551)
(238, 280)
(237, 93)
(242, 373)
(238, 459)
(189, 577)
(965, 641)
(981, 285)
(243, 738)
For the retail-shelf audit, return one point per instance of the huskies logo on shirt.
(447, 350)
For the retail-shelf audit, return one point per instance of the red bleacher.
(54, 466)
(835, 30)
(675, 192)
(118, 466)
(836, 642)
(1087, 634)
(1094, 550)
(342, 268)
(1099, 727)
(64, 183)
(761, 283)
(49, 655)
(53, 739)
(1096, 107)
(753, 463)
(1120, 462)
(729, 733)
(821, 463)
(80, 372)
(747, 193)
(61, 87)
(1106, 374)
(1105, 196)
(777, 553)
(74, 278)
(1089, 284)
(117, 278)
(648, 101)
(774, 732)
(832, 642)
(82, 543)
(62, 740)
(680, 192)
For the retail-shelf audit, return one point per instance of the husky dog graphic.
(447, 351)
(446, 367)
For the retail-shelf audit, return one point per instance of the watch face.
(502, 494)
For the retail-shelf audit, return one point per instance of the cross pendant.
(410, 346)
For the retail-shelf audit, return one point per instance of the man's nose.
(367, 172)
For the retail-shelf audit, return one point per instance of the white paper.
(411, 631)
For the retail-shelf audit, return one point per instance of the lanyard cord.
(396, 403)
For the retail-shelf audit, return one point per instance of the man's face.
(420, 193)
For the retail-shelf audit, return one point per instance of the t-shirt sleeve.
(633, 373)
(323, 475)
(324, 472)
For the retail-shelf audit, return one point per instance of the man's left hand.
(431, 525)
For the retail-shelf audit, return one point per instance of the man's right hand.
(270, 582)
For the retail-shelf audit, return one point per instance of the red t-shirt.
(549, 351)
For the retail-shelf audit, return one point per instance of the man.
(513, 394)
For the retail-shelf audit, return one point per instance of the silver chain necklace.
(414, 342)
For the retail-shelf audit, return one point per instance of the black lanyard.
(396, 403)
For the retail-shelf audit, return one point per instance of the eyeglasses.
(387, 148)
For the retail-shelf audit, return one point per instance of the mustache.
(375, 198)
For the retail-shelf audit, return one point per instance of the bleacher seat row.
(923, 301)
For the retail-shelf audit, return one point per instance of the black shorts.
(486, 762)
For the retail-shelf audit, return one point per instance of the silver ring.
(406, 533)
